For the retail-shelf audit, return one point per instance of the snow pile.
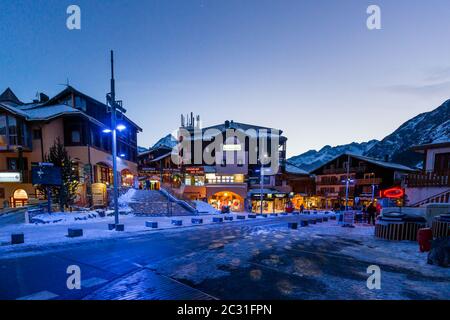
(126, 198)
(204, 207)
(63, 217)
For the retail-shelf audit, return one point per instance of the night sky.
(310, 68)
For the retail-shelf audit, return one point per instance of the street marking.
(42, 295)
(92, 282)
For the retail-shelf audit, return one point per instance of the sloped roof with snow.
(384, 164)
(293, 169)
(45, 111)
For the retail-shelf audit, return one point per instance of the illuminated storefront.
(273, 201)
(228, 199)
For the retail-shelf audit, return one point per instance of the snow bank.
(126, 198)
(63, 217)
(204, 207)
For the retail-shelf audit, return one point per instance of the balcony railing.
(370, 181)
(344, 170)
(427, 180)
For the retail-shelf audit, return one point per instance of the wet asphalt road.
(257, 259)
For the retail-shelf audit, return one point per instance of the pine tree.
(67, 191)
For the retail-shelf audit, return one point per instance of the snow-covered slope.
(428, 127)
(313, 159)
(168, 141)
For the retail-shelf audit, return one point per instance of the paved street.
(257, 259)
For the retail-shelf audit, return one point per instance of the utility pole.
(115, 106)
(261, 182)
(347, 183)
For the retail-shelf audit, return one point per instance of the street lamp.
(261, 181)
(116, 106)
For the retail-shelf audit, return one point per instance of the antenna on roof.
(67, 84)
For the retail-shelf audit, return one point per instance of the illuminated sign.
(10, 177)
(392, 193)
(46, 174)
(99, 194)
(232, 147)
(194, 170)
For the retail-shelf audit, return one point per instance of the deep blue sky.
(310, 68)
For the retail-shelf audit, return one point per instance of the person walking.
(302, 208)
(371, 212)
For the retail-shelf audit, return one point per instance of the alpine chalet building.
(28, 130)
(231, 180)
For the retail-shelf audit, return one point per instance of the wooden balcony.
(344, 170)
(368, 182)
(429, 179)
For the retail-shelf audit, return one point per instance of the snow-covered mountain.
(428, 127)
(313, 159)
(168, 141)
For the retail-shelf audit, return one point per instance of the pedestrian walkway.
(147, 285)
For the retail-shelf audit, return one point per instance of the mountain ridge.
(427, 127)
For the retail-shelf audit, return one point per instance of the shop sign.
(392, 193)
(10, 177)
(194, 170)
(99, 194)
(46, 174)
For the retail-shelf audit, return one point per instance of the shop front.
(227, 199)
(272, 201)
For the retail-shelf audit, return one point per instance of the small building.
(28, 130)
(303, 187)
(156, 168)
(367, 177)
(432, 184)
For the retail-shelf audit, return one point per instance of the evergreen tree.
(67, 191)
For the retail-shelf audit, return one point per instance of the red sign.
(392, 193)
(194, 170)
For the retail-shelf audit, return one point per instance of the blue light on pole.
(119, 127)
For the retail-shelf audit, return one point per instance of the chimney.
(227, 124)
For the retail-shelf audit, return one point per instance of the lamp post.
(115, 106)
(347, 183)
(261, 182)
(373, 187)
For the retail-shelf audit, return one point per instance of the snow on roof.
(290, 168)
(44, 113)
(384, 164)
